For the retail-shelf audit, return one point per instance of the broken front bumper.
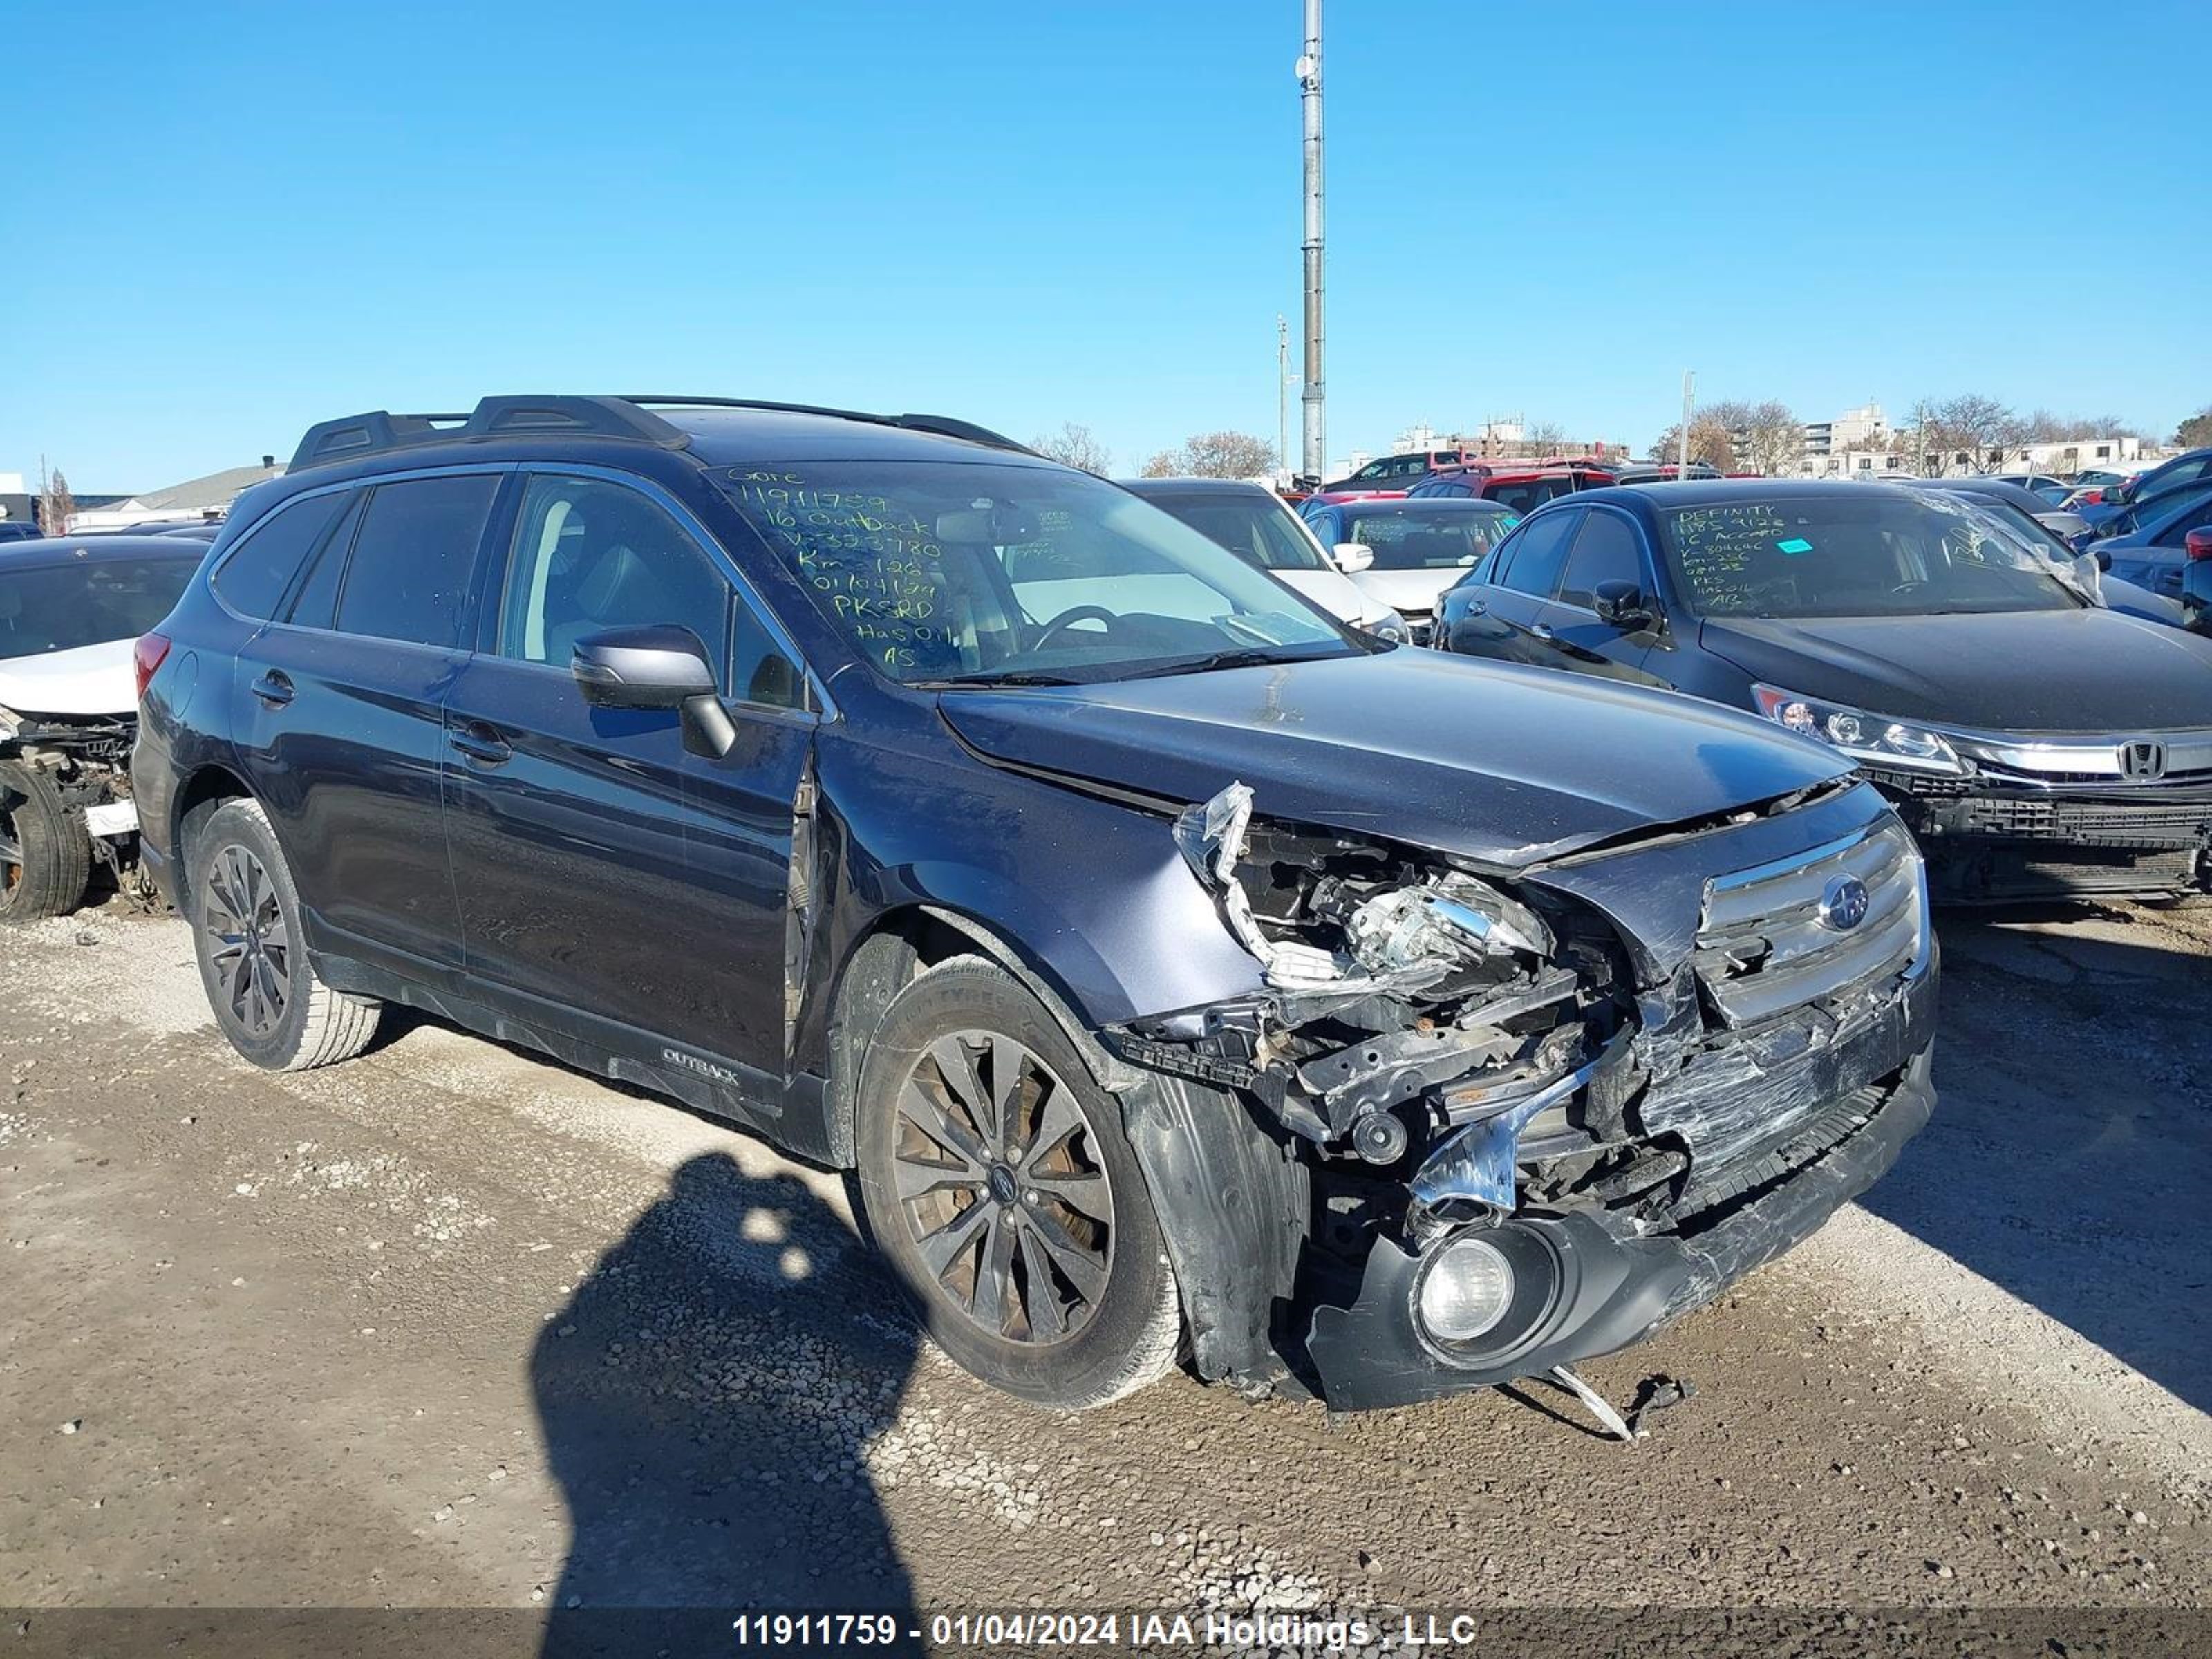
(1606, 1291)
(1987, 839)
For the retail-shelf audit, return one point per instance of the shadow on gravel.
(2070, 1156)
(705, 1396)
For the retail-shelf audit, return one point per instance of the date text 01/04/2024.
(1043, 1629)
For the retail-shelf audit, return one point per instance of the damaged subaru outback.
(1176, 968)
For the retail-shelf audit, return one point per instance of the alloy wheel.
(1000, 1182)
(252, 949)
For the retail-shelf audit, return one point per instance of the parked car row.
(1181, 961)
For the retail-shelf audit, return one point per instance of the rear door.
(339, 719)
(612, 882)
(1608, 547)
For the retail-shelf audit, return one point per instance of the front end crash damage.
(87, 758)
(1528, 1138)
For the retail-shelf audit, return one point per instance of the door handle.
(273, 687)
(483, 745)
(1543, 631)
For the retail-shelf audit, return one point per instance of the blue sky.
(1023, 214)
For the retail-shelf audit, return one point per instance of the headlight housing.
(1874, 737)
(1391, 628)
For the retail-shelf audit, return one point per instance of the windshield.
(1259, 530)
(64, 607)
(1452, 539)
(950, 573)
(1882, 556)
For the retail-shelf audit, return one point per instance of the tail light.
(2198, 544)
(147, 657)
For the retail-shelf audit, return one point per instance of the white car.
(71, 612)
(1405, 553)
(1256, 523)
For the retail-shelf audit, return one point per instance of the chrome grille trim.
(1763, 950)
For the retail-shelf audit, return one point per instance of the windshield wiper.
(1244, 656)
(986, 682)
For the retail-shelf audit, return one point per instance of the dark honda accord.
(2036, 742)
(1170, 960)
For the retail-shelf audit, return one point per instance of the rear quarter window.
(255, 574)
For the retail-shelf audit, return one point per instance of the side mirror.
(1351, 557)
(657, 667)
(1620, 604)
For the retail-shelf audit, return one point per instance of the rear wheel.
(998, 1182)
(244, 914)
(45, 854)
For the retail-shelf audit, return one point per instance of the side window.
(1533, 562)
(255, 574)
(412, 557)
(760, 670)
(592, 555)
(1605, 551)
(317, 603)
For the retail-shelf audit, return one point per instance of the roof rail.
(943, 425)
(379, 430)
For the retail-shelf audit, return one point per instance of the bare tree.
(1545, 437)
(56, 504)
(1712, 441)
(1073, 446)
(1978, 426)
(1769, 439)
(1215, 455)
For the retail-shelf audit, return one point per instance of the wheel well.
(204, 791)
(897, 947)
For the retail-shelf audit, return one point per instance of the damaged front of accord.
(1544, 1109)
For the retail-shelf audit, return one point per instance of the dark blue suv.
(1167, 959)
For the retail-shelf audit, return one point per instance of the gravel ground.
(451, 1325)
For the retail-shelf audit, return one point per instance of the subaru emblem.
(1844, 903)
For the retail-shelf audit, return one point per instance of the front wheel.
(997, 1180)
(245, 914)
(45, 854)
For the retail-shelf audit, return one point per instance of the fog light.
(1466, 1288)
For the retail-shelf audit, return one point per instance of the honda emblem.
(2143, 761)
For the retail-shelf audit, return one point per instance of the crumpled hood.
(2031, 671)
(93, 679)
(1503, 765)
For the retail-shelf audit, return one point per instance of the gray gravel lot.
(453, 1326)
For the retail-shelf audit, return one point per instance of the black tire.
(1086, 1308)
(244, 916)
(45, 854)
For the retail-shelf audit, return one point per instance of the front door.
(1607, 548)
(1504, 620)
(612, 881)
